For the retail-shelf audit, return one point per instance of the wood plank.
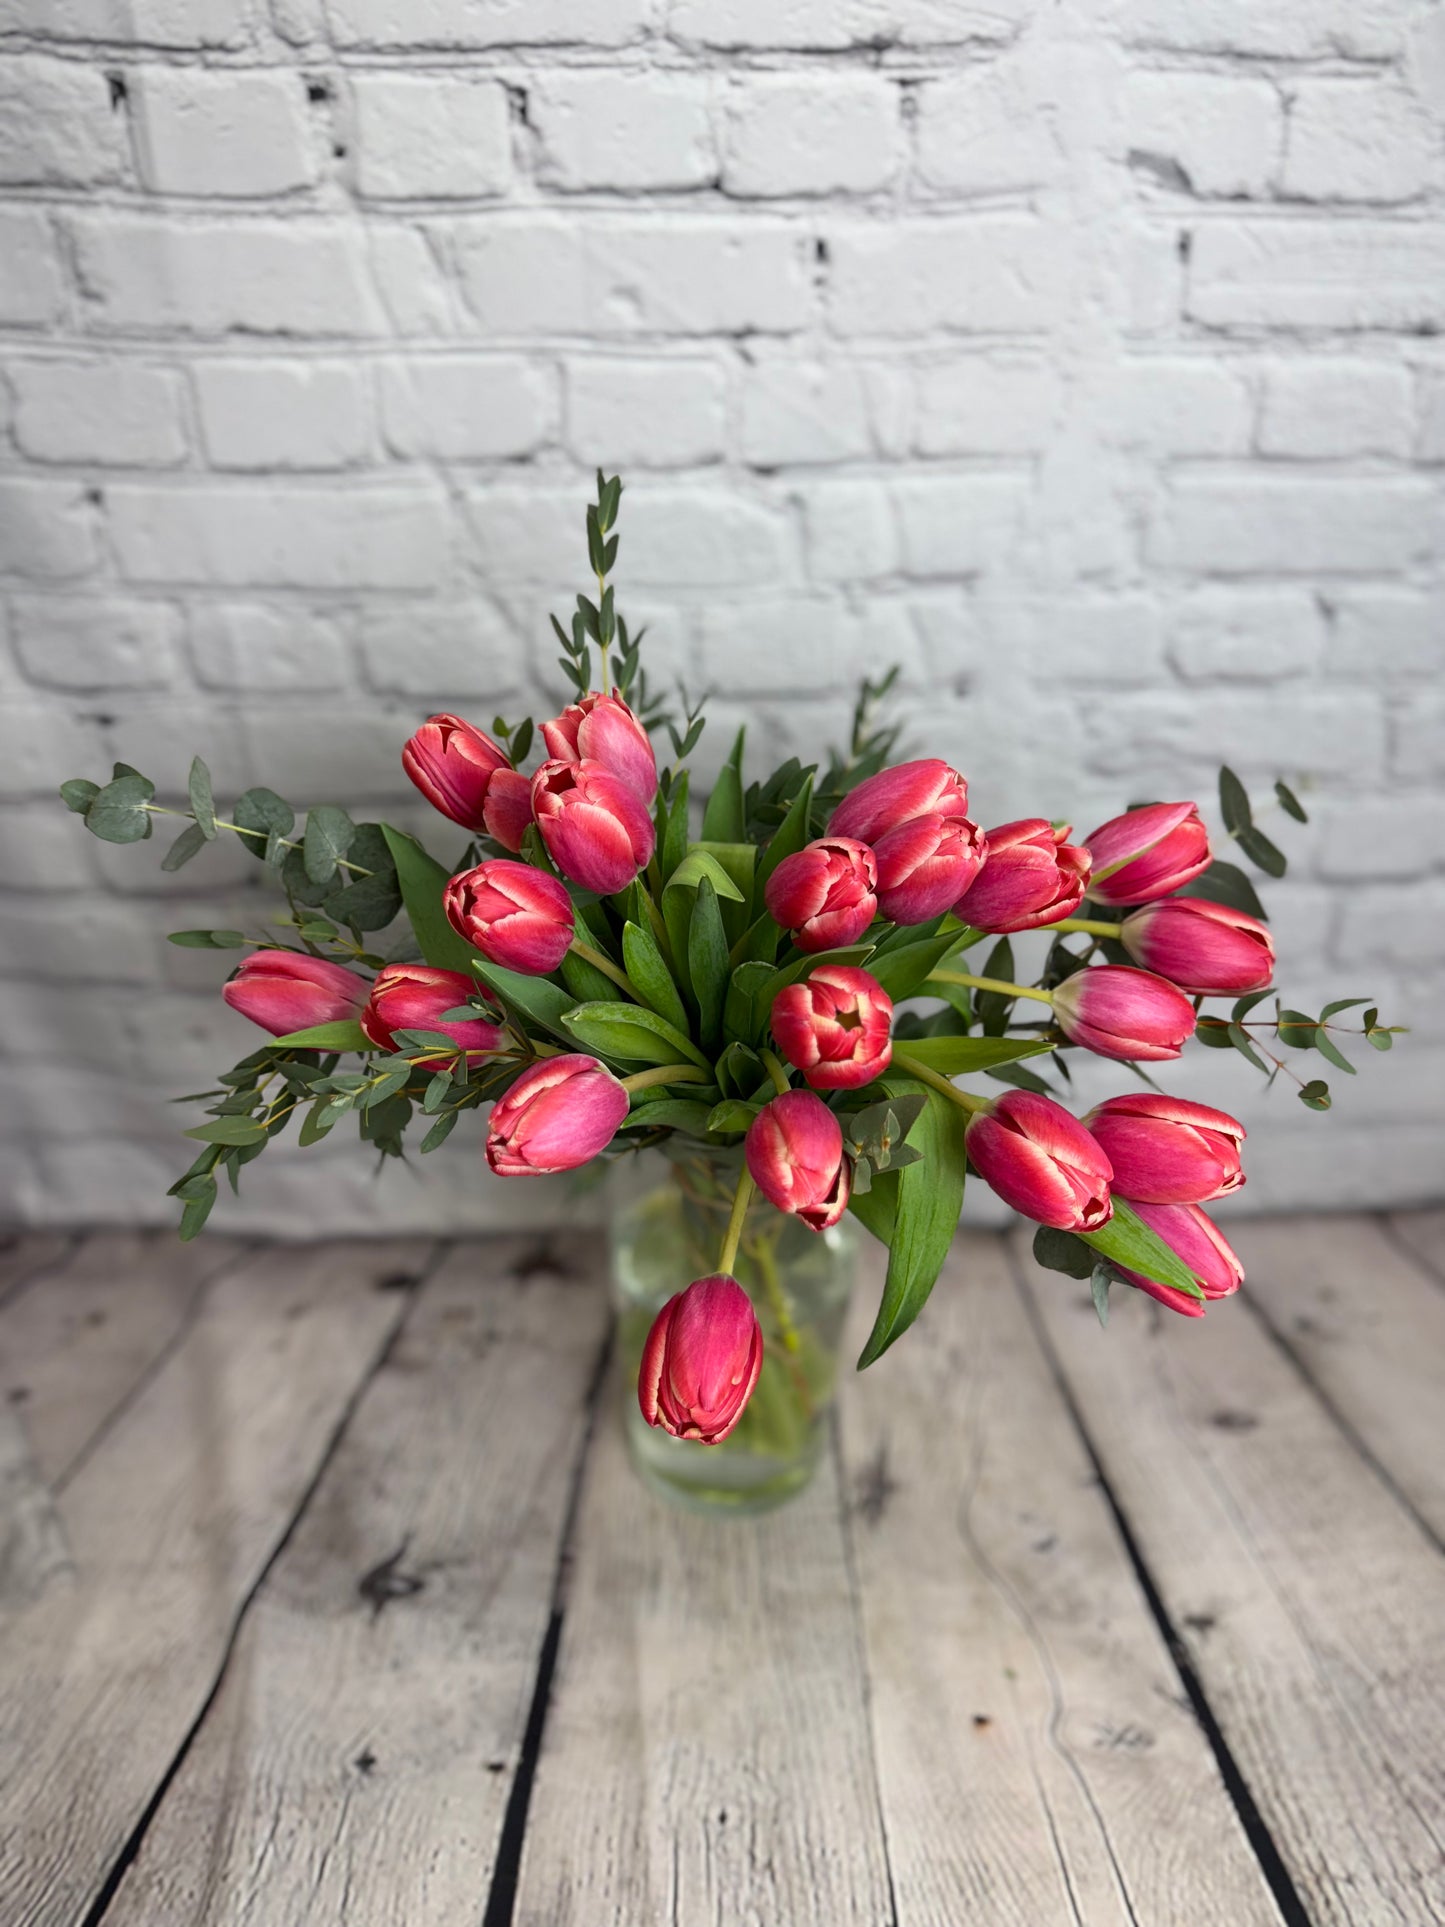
(168, 1529)
(706, 1754)
(76, 1343)
(1038, 1760)
(1307, 1598)
(356, 1764)
(23, 1254)
(1423, 1232)
(1368, 1327)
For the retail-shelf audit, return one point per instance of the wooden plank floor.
(327, 1595)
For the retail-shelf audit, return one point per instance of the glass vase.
(799, 1281)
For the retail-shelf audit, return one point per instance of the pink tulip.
(795, 1154)
(464, 774)
(557, 1115)
(1206, 948)
(835, 1028)
(595, 825)
(517, 916)
(701, 1361)
(407, 996)
(925, 865)
(1195, 1238)
(1147, 853)
(1124, 1013)
(286, 990)
(602, 729)
(825, 894)
(507, 811)
(1165, 1150)
(1030, 878)
(927, 787)
(1042, 1161)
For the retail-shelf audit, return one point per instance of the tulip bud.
(464, 774)
(835, 1028)
(602, 729)
(824, 894)
(1165, 1150)
(557, 1115)
(517, 916)
(507, 811)
(795, 1154)
(286, 990)
(1206, 948)
(595, 825)
(1125, 1013)
(406, 996)
(701, 1361)
(1031, 877)
(927, 787)
(1147, 853)
(925, 864)
(1193, 1236)
(1041, 1160)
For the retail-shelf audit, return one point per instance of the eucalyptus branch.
(285, 842)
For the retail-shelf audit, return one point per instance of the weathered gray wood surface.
(1423, 1233)
(26, 1254)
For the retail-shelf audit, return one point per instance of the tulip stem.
(1090, 924)
(605, 965)
(995, 984)
(666, 1074)
(910, 1066)
(728, 1256)
(775, 1070)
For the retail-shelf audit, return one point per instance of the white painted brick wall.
(1085, 360)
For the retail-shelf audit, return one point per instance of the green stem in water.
(728, 1256)
(775, 1070)
(1090, 924)
(990, 983)
(965, 1100)
(606, 966)
(665, 1074)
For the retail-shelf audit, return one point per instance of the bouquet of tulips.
(607, 971)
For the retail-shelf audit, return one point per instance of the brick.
(96, 942)
(528, 534)
(1358, 140)
(810, 134)
(1379, 837)
(1171, 407)
(42, 848)
(1430, 446)
(135, 23)
(1292, 525)
(409, 281)
(800, 644)
(796, 412)
(487, 23)
(656, 413)
(95, 644)
(1295, 29)
(113, 411)
(1222, 133)
(850, 531)
(227, 134)
(1265, 635)
(1113, 640)
(1393, 923)
(57, 126)
(1330, 409)
(606, 277)
(695, 538)
(42, 744)
(466, 408)
(957, 525)
(995, 273)
(281, 414)
(246, 646)
(431, 137)
(1420, 737)
(245, 536)
(435, 650)
(1168, 740)
(359, 745)
(1385, 635)
(31, 290)
(1297, 274)
(631, 132)
(981, 405)
(989, 131)
(823, 25)
(139, 273)
(47, 530)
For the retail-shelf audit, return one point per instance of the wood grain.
(1423, 1233)
(356, 1764)
(706, 1755)
(1308, 1599)
(25, 1253)
(1038, 1760)
(168, 1528)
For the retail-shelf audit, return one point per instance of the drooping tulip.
(559, 1114)
(1146, 853)
(826, 893)
(408, 996)
(595, 825)
(927, 787)
(1194, 1237)
(701, 1361)
(794, 1151)
(286, 990)
(464, 774)
(1166, 1150)
(1040, 1159)
(517, 916)
(1206, 948)
(835, 1027)
(1030, 878)
(926, 864)
(1124, 1013)
(602, 729)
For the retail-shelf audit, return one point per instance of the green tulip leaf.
(929, 1197)
(632, 1033)
(422, 880)
(1128, 1242)
(344, 1034)
(956, 1056)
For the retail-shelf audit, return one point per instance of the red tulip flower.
(468, 777)
(894, 796)
(560, 1113)
(835, 1027)
(1194, 1237)
(517, 916)
(701, 1361)
(1041, 1160)
(1124, 1013)
(407, 996)
(795, 1154)
(926, 864)
(826, 894)
(602, 729)
(1147, 853)
(1206, 948)
(1030, 878)
(595, 825)
(286, 990)
(1165, 1150)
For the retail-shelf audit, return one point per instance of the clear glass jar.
(799, 1281)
